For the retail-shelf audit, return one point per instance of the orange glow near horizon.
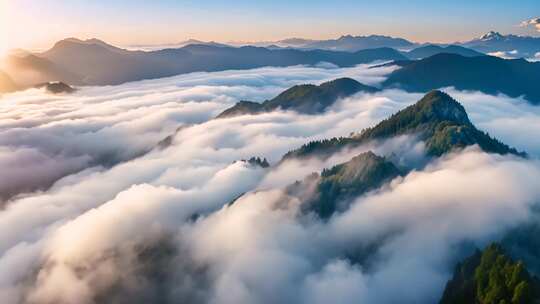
(5, 41)
(36, 25)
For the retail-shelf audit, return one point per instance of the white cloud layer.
(505, 55)
(534, 22)
(93, 233)
(103, 126)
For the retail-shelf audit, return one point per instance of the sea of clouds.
(95, 210)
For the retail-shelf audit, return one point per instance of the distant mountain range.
(346, 43)
(354, 43)
(94, 62)
(430, 50)
(491, 75)
(491, 42)
(517, 46)
(176, 45)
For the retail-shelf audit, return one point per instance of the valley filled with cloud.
(136, 194)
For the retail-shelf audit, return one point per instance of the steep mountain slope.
(438, 120)
(103, 64)
(495, 42)
(354, 43)
(489, 277)
(487, 74)
(430, 50)
(241, 108)
(342, 183)
(99, 63)
(307, 98)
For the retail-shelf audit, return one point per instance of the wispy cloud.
(534, 22)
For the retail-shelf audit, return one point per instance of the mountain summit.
(305, 98)
(440, 121)
(492, 35)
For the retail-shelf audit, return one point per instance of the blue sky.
(153, 22)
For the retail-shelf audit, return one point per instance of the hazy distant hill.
(487, 74)
(99, 63)
(346, 43)
(94, 62)
(430, 50)
(306, 98)
(355, 43)
(492, 42)
(29, 69)
(155, 47)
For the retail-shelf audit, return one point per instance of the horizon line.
(237, 43)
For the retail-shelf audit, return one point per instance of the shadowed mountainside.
(336, 187)
(430, 50)
(94, 62)
(438, 119)
(306, 98)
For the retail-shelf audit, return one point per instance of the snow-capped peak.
(492, 36)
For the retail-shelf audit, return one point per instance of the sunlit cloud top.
(534, 22)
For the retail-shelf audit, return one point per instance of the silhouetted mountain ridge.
(306, 98)
(99, 63)
(525, 46)
(487, 74)
(430, 50)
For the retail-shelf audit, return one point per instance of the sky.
(37, 24)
